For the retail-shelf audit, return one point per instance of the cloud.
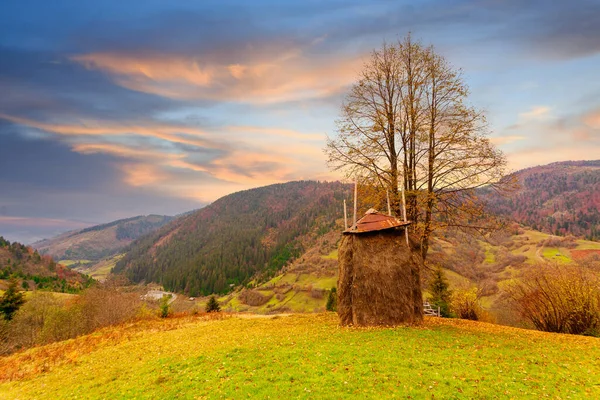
(503, 140)
(592, 120)
(573, 137)
(155, 155)
(536, 113)
(280, 75)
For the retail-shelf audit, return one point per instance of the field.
(306, 356)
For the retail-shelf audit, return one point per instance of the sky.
(110, 109)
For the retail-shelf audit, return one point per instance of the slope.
(35, 271)
(243, 236)
(560, 198)
(306, 356)
(88, 246)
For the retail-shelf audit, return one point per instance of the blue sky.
(113, 109)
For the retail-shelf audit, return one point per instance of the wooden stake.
(345, 216)
(404, 213)
(387, 194)
(355, 201)
(403, 206)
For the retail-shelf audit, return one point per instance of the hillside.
(35, 271)
(305, 356)
(87, 246)
(559, 198)
(240, 237)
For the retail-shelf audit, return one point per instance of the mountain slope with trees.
(560, 198)
(97, 242)
(35, 271)
(243, 236)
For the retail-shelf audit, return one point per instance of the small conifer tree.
(213, 305)
(332, 300)
(440, 292)
(165, 307)
(11, 301)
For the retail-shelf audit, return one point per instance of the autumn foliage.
(560, 298)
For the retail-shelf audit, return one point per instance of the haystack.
(379, 280)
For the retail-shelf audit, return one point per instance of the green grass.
(68, 263)
(331, 256)
(555, 254)
(309, 356)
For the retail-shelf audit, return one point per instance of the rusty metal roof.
(373, 220)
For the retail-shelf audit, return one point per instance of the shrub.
(332, 300)
(29, 321)
(317, 293)
(559, 298)
(165, 307)
(464, 304)
(253, 298)
(213, 305)
(104, 306)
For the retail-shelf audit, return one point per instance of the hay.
(379, 280)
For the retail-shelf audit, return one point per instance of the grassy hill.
(84, 248)
(306, 356)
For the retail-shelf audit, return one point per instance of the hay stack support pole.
(404, 213)
(345, 216)
(355, 202)
(387, 195)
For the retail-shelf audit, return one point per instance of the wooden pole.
(403, 206)
(404, 213)
(345, 216)
(355, 202)
(387, 194)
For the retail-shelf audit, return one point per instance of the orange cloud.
(253, 156)
(281, 77)
(143, 174)
(592, 119)
(171, 133)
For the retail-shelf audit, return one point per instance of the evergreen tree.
(213, 305)
(165, 307)
(332, 300)
(11, 301)
(440, 292)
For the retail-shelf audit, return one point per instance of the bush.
(213, 305)
(559, 298)
(253, 298)
(332, 300)
(464, 304)
(45, 318)
(165, 307)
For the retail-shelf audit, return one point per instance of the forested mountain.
(97, 242)
(36, 271)
(237, 238)
(559, 198)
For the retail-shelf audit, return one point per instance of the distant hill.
(36, 271)
(90, 245)
(560, 198)
(240, 237)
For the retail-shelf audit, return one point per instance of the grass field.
(68, 263)
(306, 356)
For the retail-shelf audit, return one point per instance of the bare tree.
(406, 125)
